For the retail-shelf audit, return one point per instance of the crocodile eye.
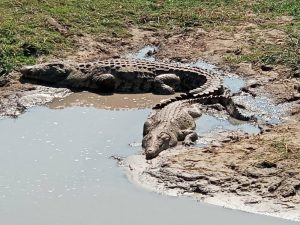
(144, 143)
(165, 137)
(59, 65)
(146, 140)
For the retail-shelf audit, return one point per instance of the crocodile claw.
(188, 143)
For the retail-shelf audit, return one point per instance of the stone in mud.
(266, 164)
(296, 74)
(253, 84)
(3, 81)
(274, 186)
(285, 187)
(32, 50)
(266, 67)
(151, 52)
(246, 68)
(297, 87)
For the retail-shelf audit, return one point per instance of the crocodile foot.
(166, 84)
(188, 142)
(190, 137)
(163, 89)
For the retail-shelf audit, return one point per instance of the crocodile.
(126, 76)
(175, 122)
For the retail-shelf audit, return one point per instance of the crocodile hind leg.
(166, 84)
(103, 82)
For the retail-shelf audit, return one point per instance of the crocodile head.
(50, 72)
(154, 143)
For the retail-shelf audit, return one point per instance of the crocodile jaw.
(51, 72)
(26, 70)
(153, 146)
(156, 142)
(151, 153)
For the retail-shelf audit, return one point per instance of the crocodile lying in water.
(174, 118)
(175, 122)
(129, 76)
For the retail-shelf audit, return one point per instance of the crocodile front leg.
(189, 137)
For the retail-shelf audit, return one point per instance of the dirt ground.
(254, 173)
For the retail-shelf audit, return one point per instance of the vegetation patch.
(286, 150)
(25, 31)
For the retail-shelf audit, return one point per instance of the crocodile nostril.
(26, 69)
(151, 153)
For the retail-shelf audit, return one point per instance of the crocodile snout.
(26, 70)
(151, 153)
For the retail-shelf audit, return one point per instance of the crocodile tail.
(226, 101)
(212, 86)
(168, 101)
(232, 109)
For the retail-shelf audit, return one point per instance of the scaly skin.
(131, 76)
(175, 122)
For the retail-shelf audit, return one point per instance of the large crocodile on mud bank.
(126, 76)
(173, 120)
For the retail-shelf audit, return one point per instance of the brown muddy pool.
(110, 102)
(56, 169)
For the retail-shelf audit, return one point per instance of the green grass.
(25, 33)
(286, 150)
(287, 54)
(278, 8)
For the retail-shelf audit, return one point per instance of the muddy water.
(212, 123)
(261, 107)
(234, 83)
(112, 102)
(56, 169)
(204, 65)
(146, 53)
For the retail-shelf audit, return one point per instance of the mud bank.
(16, 97)
(257, 174)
